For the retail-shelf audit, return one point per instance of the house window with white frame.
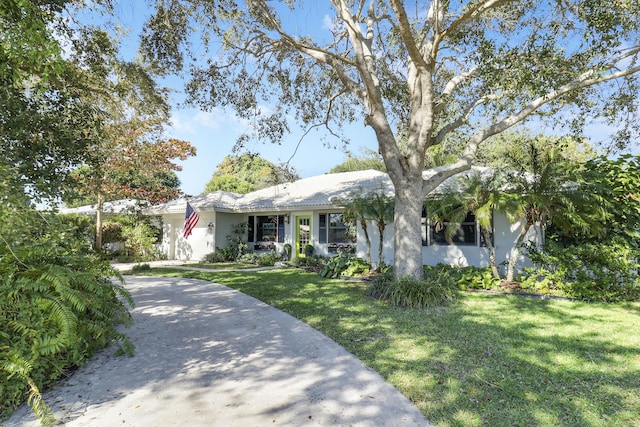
(335, 232)
(435, 232)
(265, 230)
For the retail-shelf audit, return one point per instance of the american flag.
(191, 218)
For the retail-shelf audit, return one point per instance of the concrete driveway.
(207, 355)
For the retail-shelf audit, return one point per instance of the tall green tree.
(246, 173)
(355, 206)
(616, 181)
(131, 157)
(368, 160)
(45, 126)
(428, 72)
(379, 208)
(58, 301)
(511, 149)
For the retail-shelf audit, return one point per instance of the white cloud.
(192, 122)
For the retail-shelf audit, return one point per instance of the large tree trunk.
(407, 234)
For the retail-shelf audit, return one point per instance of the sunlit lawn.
(221, 265)
(489, 360)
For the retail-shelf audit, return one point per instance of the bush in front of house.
(438, 288)
(213, 257)
(311, 263)
(345, 264)
(469, 277)
(589, 271)
(262, 259)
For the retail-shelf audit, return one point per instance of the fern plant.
(59, 304)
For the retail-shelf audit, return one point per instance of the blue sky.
(214, 133)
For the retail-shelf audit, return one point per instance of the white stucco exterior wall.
(505, 237)
(201, 241)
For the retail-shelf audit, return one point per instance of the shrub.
(596, 272)
(111, 232)
(269, 259)
(287, 251)
(437, 288)
(471, 277)
(312, 263)
(140, 267)
(217, 256)
(139, 239)
(262, 259)
(58, 306)
(237, 246)
(346, 265)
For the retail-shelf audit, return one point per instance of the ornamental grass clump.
(438, 288)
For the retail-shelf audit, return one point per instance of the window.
(334, 231)
(466, 234)
(265, 230)
(251, 235)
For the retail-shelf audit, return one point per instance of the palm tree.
(479, 193)
(355, 207)
(379, 208)
(546, 190)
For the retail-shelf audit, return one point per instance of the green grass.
(489, 360)
(221, 265)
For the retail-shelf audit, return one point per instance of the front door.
(303, 234)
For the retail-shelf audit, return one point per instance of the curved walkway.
(207, 355)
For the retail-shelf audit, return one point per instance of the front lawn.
(489, 360)
(222, 265)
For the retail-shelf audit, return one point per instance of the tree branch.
(450, 127)
(469, 16)
(452, 85)
(434, 177)
(404, 28)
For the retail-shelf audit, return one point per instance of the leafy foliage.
(617, 182)
(59, 302)
(589, 271)
(510, 150)
(45, 127)
(370, 160)
(59, 306)
(262, 259)
(438, 288)
(481, 192)
(313, 263)
(471, 277)
(247, 173)
(140, 267)
(344, 264)
(375, 206)
(598, 263)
